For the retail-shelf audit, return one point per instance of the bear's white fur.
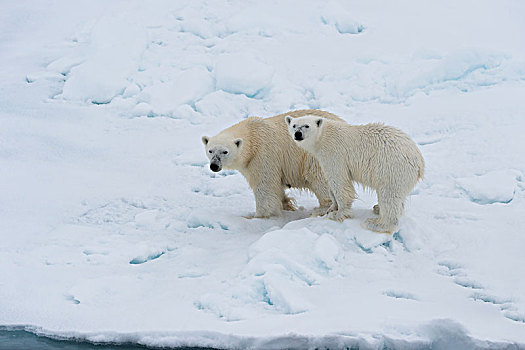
(377, 156)
(262, 150)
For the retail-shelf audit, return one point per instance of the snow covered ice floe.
(112, 228)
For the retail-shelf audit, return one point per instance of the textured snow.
(113, 229)
(242, 74)
(113, 52)
(493, 187)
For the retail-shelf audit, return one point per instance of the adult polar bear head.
(222, 151)
(304, 130)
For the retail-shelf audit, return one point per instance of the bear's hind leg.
(392, 206)
(289, 203)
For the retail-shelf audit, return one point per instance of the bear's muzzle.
(215, 167)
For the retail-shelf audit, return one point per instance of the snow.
(242, 74)
(333, 13)
(493, 187)
(113, 51)
(113, 229)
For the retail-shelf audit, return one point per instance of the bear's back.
(267, 141)
(279, 119)
(368, 148)
(272, 132)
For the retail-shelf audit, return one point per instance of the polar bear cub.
(376, 156)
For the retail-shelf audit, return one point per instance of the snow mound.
(285, 265)
(338, 16)
(185, 63)
(281, 267)
(163, 98)
(492, 187)
(464, 69)
(115, 46)
(243, 74)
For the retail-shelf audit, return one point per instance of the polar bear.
(376, 156)
(264, 153)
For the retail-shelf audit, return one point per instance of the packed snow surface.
(113, 229)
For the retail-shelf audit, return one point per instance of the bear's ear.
(205, 140)
(318, 122)
(237, 142)
(288, 119)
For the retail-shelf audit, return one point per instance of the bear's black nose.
(215, 167)
(298, 135)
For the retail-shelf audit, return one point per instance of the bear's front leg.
(325, 206)
(344, 194)
(333, 206)
(268, 199)
(321, 189)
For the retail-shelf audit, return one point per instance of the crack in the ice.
(505, 305)
(141, 260)
(400, 295)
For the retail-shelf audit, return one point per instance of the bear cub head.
(221, 151)
(304, 130)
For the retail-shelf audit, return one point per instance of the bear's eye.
(307, 126)
(224, 152)
(210, 151)
(293, 126)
